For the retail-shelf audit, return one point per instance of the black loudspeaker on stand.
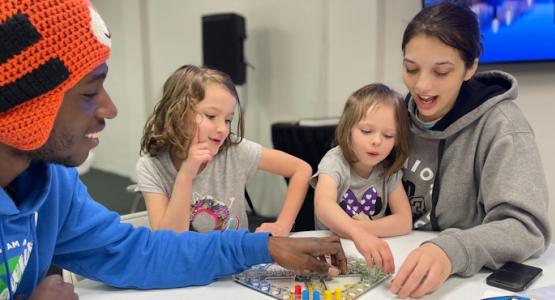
(223, 36)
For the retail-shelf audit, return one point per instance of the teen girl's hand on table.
(275, 228)
(424, 270)
(54, 287)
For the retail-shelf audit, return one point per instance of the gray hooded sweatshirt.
(477, 177)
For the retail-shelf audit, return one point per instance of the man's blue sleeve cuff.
(256, 248)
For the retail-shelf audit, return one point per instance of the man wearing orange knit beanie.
(52, 107)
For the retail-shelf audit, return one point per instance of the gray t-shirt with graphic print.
(218, 200)
(356, 194)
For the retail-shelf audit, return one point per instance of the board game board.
(279, 283)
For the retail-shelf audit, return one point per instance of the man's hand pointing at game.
(303, 254)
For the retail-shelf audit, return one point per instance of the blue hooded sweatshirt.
(55, 221)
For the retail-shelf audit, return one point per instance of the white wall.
(119, 147)
(352, 33)
(308, 57)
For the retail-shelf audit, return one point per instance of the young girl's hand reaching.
(275, 228)
(374, 250)
(298, 172)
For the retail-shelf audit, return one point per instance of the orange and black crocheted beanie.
(46, 47)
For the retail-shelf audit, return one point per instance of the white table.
(454, 288)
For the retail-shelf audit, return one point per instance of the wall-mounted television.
(514, 30)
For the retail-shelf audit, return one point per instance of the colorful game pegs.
(316, 295)
(327, 295)
(305, 295)
(297, 291)
(337, 294)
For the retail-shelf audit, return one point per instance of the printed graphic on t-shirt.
(18, 252)
(208, 214)
(418, 183)
(420, 213)
(369, 203)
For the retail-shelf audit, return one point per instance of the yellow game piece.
(327, 295)
(337, 294)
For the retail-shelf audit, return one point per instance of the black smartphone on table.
(514, 276)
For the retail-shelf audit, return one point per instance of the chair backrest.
(137, 199)
(136, 219)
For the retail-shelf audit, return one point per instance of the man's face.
(79, 121)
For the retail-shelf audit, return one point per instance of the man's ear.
(472, 70)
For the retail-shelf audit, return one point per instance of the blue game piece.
(316, 295)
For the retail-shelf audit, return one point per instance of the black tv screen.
(514, 30)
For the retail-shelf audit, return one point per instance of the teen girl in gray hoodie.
(474, 172)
